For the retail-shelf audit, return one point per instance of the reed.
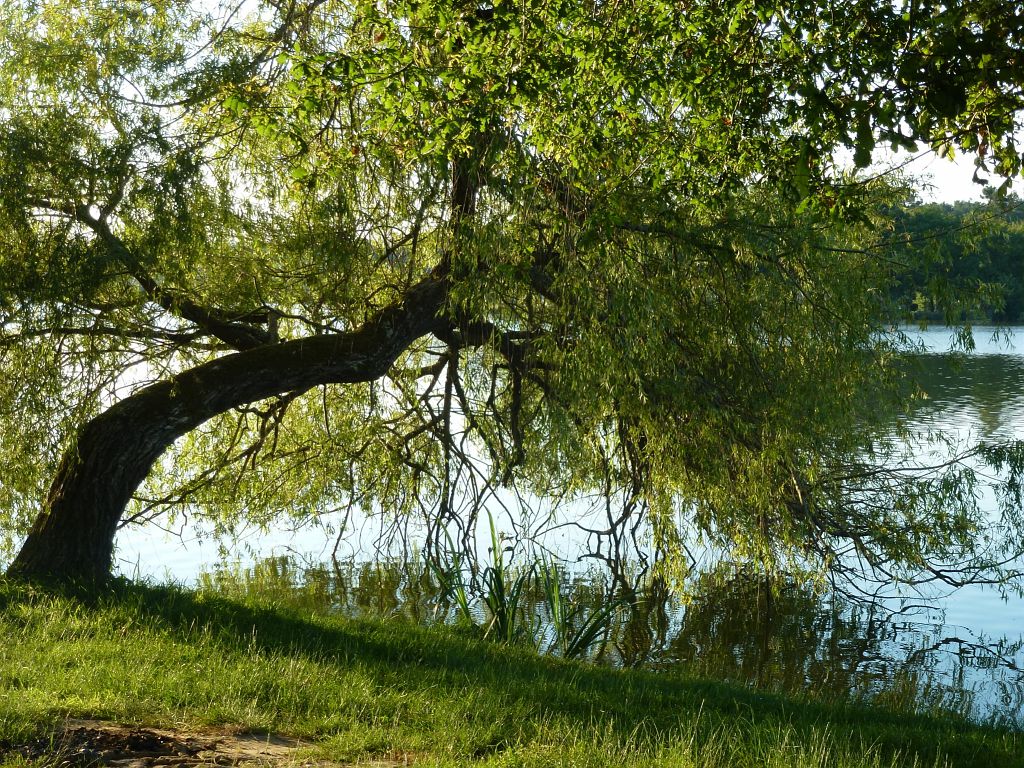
(449, 573)
(574, 630)
(503, 592)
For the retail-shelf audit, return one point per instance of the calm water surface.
(963, 650)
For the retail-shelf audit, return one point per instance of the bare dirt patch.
(99, 744)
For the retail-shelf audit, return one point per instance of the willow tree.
(289, 257)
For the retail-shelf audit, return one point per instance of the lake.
(963, 650)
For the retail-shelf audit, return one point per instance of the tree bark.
(73, 537)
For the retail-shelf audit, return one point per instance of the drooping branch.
(238, 335)
(72, 539)
(238, 332)
(171, 337)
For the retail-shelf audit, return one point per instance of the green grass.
(365, 689)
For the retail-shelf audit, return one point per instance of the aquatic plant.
(575, 631)
(503, 591)
(449, 573)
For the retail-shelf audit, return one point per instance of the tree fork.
(73, 537)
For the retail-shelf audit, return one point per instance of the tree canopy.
(279, 258)
(963, 261)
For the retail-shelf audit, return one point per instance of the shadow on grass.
(620, 701)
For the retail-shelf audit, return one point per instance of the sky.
(945, 181)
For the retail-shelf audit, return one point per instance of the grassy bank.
(366, 690)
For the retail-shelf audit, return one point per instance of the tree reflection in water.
(729, 626)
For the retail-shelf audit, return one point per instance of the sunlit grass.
(365, 689)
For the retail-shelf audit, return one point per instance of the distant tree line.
(961, 261)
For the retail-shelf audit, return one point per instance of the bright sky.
(938, 180)
(949, 180)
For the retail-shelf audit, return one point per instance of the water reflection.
(977, 395)
(730, 625)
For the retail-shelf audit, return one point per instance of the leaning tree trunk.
(73, 537)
